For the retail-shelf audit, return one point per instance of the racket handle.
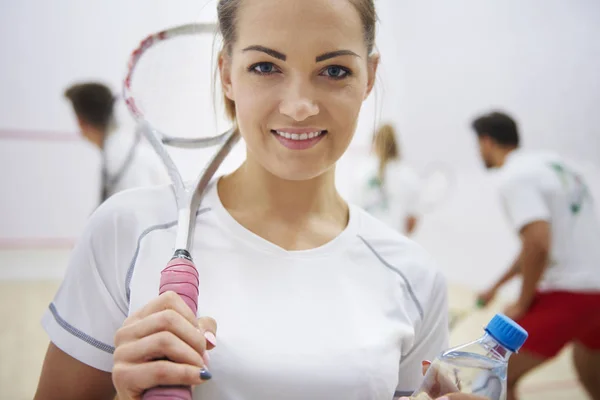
(168, 393)
(181, 277)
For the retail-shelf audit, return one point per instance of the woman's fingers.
(425, 366)
(436, 383)
(166, 301)
(165, 321)
(208, 326)
(160, 345)
(157, 373)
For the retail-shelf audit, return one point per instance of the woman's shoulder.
(393, 247)
(133, 210)
(414, 267)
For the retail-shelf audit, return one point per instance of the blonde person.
(390, 189)
(302, 295)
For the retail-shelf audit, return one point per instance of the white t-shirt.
(543, 186)
(129, 168)
(394, 200)
(352, 319)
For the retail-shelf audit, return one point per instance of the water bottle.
(478, 367)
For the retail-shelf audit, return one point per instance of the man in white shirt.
(126, 162)
(550, 206)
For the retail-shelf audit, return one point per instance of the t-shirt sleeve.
(523, 201)
(432, 338)
(90, 304)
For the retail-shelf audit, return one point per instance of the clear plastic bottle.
(478, 367)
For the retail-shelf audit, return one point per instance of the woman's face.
(298, 73)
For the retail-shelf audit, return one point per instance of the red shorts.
(557, 318)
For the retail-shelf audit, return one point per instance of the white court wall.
(442, 63)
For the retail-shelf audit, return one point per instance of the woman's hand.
(162, 344)
(442, 385)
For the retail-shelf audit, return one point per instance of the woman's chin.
(290, 172)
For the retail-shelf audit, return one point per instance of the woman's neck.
(253, 189)
(295, 215)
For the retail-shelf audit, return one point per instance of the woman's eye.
(336, 72)
(264, 68)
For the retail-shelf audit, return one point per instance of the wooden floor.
(23, 343)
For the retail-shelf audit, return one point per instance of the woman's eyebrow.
(337, 53)
(283, 57)
(271, 52)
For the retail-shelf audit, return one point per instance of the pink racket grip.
(181, 277)
(168, 393)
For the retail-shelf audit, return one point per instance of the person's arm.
(484, 298)
(65, 378)
(510, 274)
(535, 239)
(88, 308)
(411, 224)
(529, 213)
(408, 188)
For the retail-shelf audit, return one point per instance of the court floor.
(23, 342)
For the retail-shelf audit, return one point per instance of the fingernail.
(205, 375)
(210, 337)
(444, 398)
(425, 363)
(206, 358)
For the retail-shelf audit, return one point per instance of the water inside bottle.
(458, 371)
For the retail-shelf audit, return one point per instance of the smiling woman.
(301, 69)
(301, 138)
(314, 298)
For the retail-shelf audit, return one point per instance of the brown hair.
(92, 102)
(227, 13)
(386, 147)
(499, 126)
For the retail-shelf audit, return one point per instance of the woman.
(390, 191)
(314, 298)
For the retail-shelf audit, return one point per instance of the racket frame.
(187, 197)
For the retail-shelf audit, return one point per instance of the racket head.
(167, 91)
(166, 86)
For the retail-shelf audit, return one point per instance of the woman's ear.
(225, 73)
(373, 64)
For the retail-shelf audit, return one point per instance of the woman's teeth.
(299, 136)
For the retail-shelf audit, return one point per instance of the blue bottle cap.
(507, 332)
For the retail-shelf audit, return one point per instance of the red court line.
(38, 136)
(36, 243)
